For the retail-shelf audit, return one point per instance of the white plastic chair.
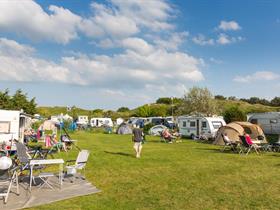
(7, 182)
(80, 163)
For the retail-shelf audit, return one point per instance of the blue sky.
(113, 53)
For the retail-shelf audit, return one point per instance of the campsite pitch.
(187, 175)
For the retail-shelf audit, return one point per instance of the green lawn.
(187, 175)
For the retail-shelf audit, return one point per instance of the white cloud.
(153, 14)
(134, 68)
(138, 45)
(126, 18)
(229, 26)
(108, 22)
(224, 39)
(113, 21)
(259, 75)
(202, 40)
(28, 19)
(12, 48)
(139, 61)
(26, 67)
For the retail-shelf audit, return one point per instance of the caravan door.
(197, 127)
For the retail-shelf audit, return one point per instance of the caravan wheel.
(192, 136)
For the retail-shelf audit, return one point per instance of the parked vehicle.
(137, 121)
(162, 121)
(12, 126)
(200, 127)
(82, 120)
(268, 121)
(99, 122)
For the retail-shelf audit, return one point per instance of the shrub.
(234, 113)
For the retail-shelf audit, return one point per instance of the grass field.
(187, 175)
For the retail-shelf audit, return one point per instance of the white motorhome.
(82, 120)
(99, 122)
(268, 121)
(199, 127)
(12, 125)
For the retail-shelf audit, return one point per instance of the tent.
(156, 130)
(119, 121)
(48, 125)
(236, 129)
(124, 129)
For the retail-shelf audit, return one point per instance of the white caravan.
(99, 122)
(199, 127)
(12, 125)
(268, 121)
(82, 120)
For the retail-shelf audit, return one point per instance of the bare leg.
(139, 150)
(136, 149)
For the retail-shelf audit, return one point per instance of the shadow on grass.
(217, 150)
(120, 153)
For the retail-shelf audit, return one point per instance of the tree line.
(197, 101)
(17, 101)
(252, 100)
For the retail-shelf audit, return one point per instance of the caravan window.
(192, 124)
(4, 127)
(184, 124)
(217, 124)
(204, 124)
(273, 121)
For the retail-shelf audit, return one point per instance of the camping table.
(46, 162)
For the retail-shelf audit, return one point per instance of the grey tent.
(124, 129)
(156, 130)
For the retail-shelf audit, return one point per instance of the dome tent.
(236, 129)
(124, 129)
(157, 130)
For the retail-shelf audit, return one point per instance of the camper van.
(168, 121)
(268, 121)
(12, 125)
(199, 127)
(82, 120)
(99, 122)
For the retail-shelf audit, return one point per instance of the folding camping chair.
(8, 180)
(23, 159)
(247, 147)
(230, 145)
(80, 164)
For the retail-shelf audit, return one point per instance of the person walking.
(137, 139)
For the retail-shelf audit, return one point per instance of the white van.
(268, 121)
(199, 127)
(99, 122)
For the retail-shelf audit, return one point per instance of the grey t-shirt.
(137, 133)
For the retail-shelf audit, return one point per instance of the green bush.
(234, 113)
